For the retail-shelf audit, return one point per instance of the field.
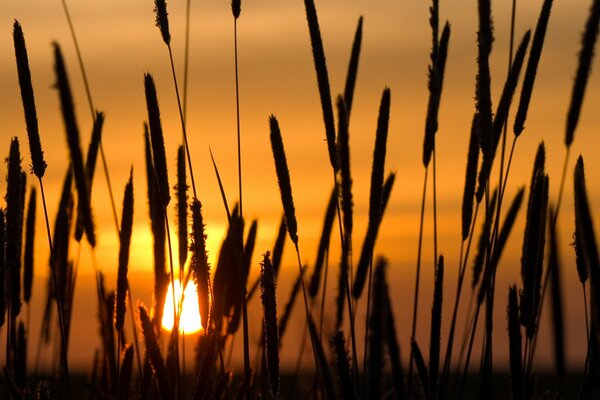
(392, 205)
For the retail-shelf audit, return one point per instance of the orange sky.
(120, 42)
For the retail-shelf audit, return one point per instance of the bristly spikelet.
(90, 165)
(322, 79)
(199, 262)
(583, 71)
(153, 354)
(436, 81)
(532, 65)
(14, 222)
(29, 240)
(483, 100)
(470, 178)
(283, 177)
(162, 20)
(72, 132)
(35, 146)
(125, 242)
(343, 147)
(181, 189)
(236, 8)
(353, 68)
(156, 138)
(269, 302)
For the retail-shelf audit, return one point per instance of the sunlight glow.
(190, 316)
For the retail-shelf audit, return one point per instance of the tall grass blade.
(421, 367)
(515, 352)
(483, 98)
(27, 96)
(341, 366)
(269, 302)
(72, 131)
(14, 226)
(161, 278)
(470, 178)
(502, 113)
(126, 372)
(532, 66)
(90, 166)
(3, 271)
(557, 302)
(283, 176)
(436, 329)
(586, 55)
(584, 223)
(29, 248)
(156, 139)
(199, 262)
(322, 79)
(124, 245)
(435, 84)
(315, 280)
(482, 243)
(507, 225)
(153, 353)
(375, 197)
(343, 147)
(321, 361)
(533, 250)
(182, 206)
(353, 67)
(393, 346)
(376, 333)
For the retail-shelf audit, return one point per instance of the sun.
(190, 316)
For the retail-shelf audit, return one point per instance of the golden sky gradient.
(119, 43)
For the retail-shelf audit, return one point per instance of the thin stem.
(416, 298)
(186, 60)
(247, 371)
(59, 309)
(469, 351)
(182, 119)
(323, 294)
(562, 185)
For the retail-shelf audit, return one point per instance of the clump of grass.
(515, 352)
(342, 369)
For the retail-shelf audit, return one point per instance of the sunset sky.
(120, 43)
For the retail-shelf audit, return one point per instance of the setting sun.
(190, 317)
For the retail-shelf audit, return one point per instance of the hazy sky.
(120, 43)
